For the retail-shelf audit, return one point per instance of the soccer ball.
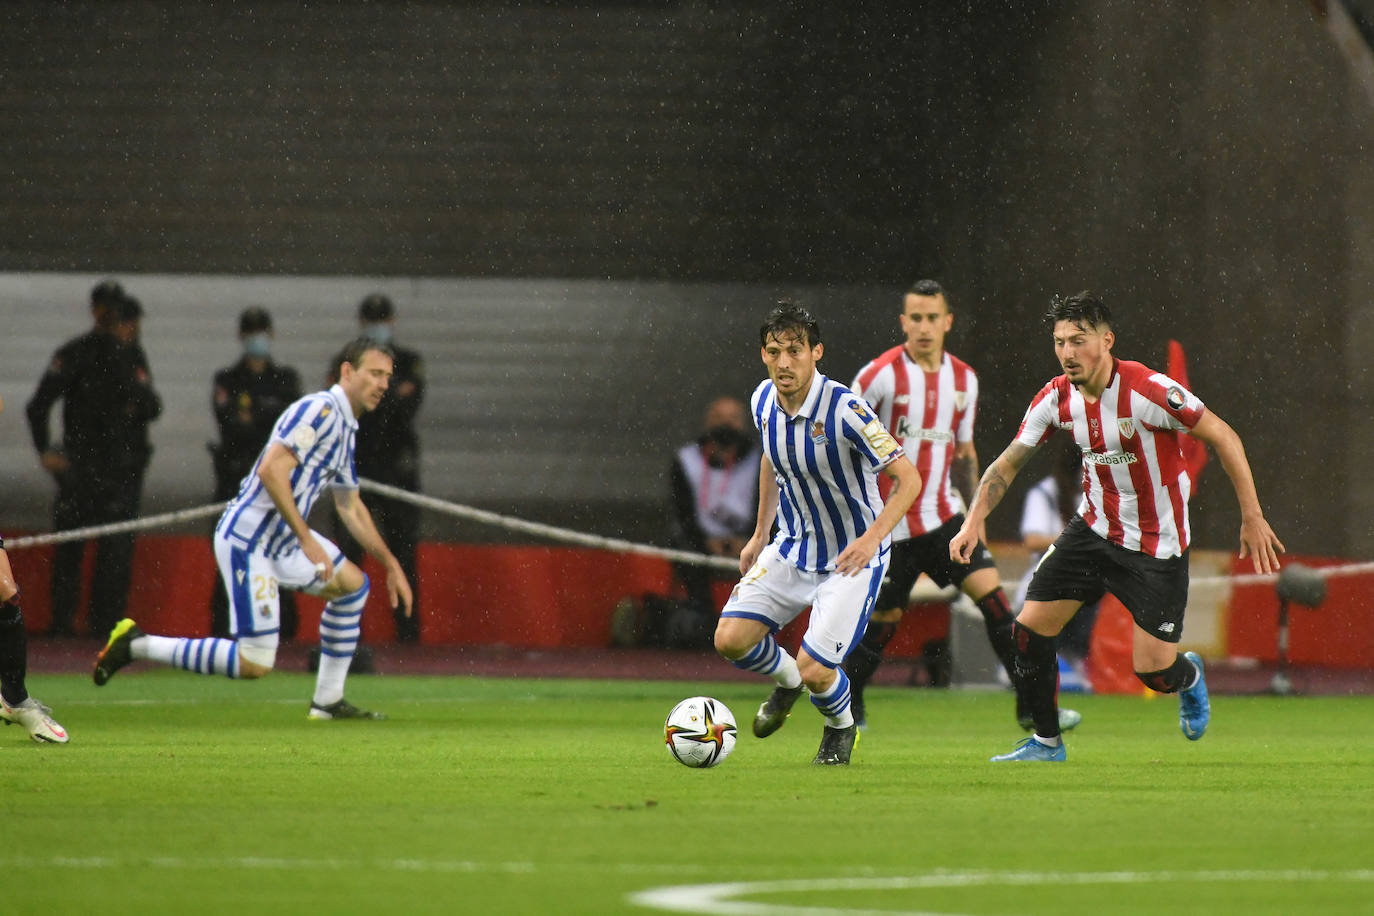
(700, 732)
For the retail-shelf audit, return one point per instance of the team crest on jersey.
(1175, 397)
(818, 435)
(960, 400)
(1127, 428)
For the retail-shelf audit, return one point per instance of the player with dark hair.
(928, 398)
(263, 544)
(822, 451)
(1131, 534)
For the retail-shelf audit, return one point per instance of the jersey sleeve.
(301, 427)
(965, 431)
(1171, 404)
(1038, 424)
(865, 432)
(758, 402)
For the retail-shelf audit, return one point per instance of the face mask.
(258, 346)
(380, 332)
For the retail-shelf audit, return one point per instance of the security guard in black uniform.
(388, 451)
(108, 401)
(247, 398)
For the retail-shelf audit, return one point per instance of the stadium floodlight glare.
(1304, 586)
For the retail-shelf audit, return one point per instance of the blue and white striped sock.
(341, 625)
(834, 703)
(772, 660)
(203, 656)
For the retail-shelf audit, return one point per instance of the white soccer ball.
(700, 732)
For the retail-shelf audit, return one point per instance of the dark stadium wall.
(1200, 165)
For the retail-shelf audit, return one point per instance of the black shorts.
(927, 553)
(1082, 565)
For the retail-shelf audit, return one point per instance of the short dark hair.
(253, 319)
(354, 352)
(1083, 309)
(376, 307)
(927, 288)
(107, 292)
(789, 318)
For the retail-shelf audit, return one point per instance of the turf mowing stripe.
(719, 899)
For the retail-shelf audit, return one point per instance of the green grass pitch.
(196, 796)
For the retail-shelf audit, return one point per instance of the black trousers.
(94, 496)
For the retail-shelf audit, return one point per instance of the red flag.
(1194, 451)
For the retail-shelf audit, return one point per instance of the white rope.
(549, 531)
(99, 531)
(565, 535)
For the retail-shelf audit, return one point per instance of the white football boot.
(35, 717)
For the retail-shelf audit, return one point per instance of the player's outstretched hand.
(1259, 542)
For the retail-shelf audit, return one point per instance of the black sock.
(14, 652)
(868, 654)
(1037, 677)
(1171, 679)
(997, 619)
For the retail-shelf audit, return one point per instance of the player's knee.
(256, 661)
(732, 640)
(351, 584)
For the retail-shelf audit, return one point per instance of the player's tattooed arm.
(999, 475)
(996, 479)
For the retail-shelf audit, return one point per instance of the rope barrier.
(550, 532)
(100, 531)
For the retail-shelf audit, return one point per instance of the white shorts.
(775, 592)
(253, 582)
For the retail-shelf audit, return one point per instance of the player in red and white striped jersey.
(1131, 533)
(928, 399)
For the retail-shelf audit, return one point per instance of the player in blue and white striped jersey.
(263, 544)
(822, 451)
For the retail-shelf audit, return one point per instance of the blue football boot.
(1194, 710)
(1030, 749)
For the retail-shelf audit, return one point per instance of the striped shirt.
(929, 413)
(1135, 481)
(319, 429)
(826, 460)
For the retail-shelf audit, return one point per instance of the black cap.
(107, 292)
(127, 308)
(376, 307)
(255, 318)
